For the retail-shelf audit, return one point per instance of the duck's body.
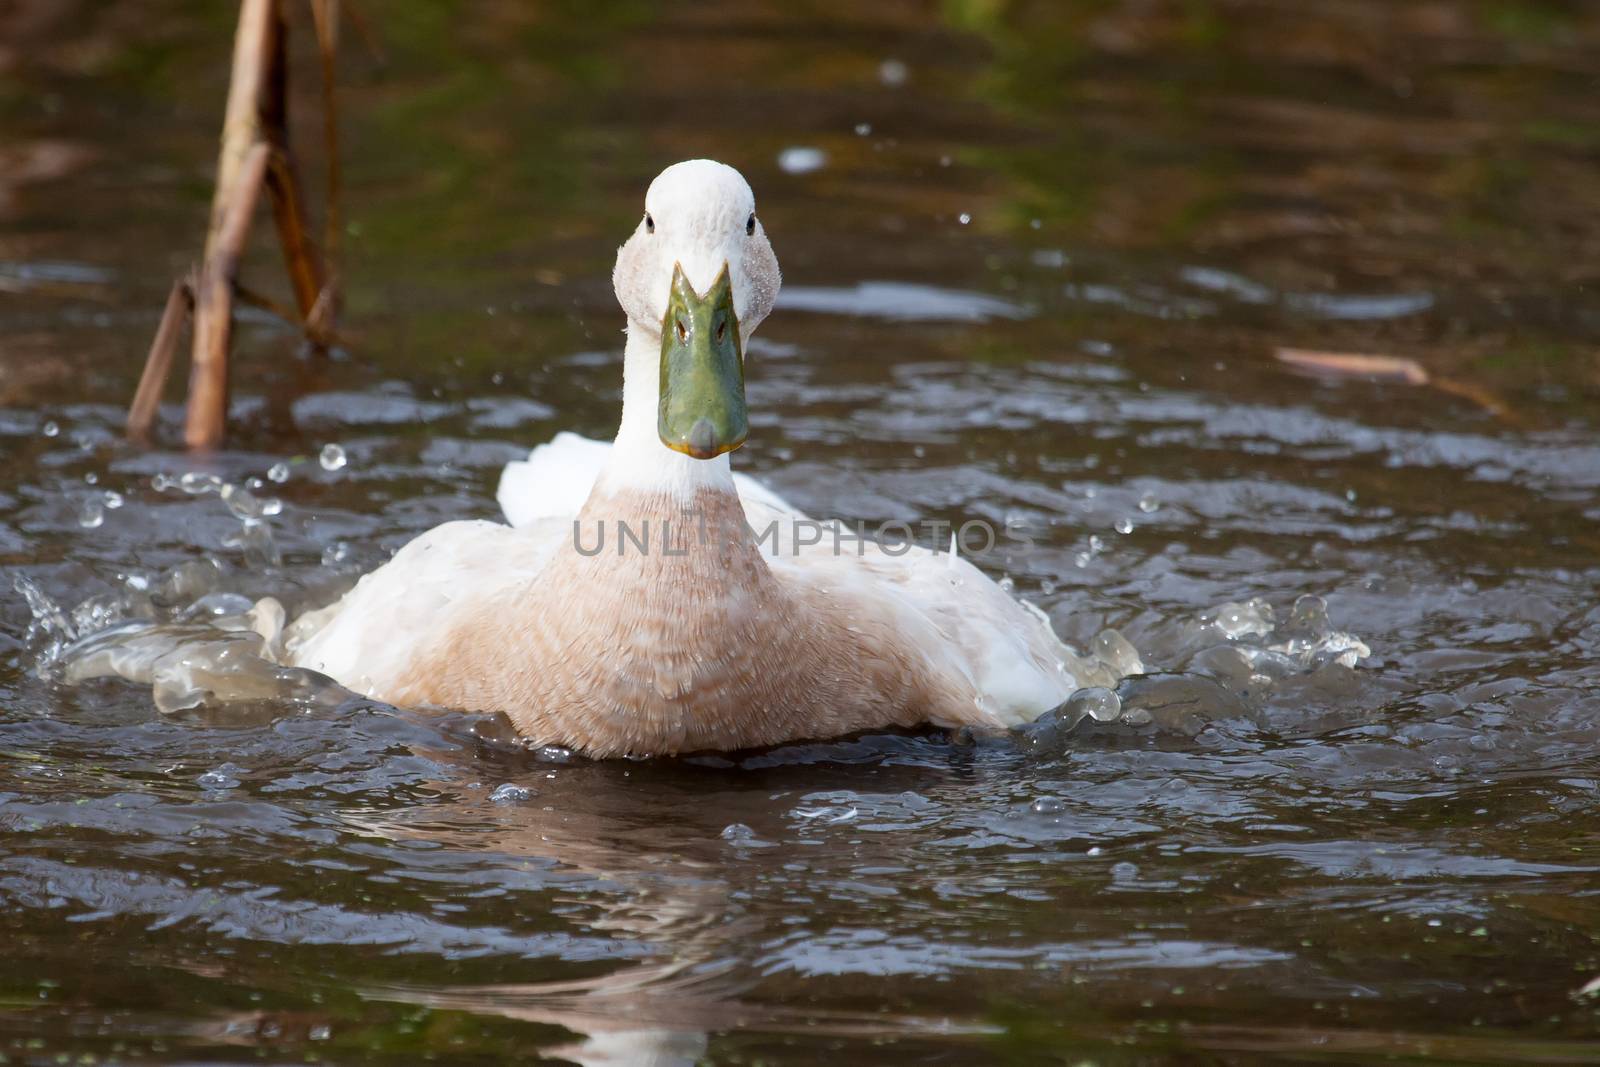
(645, 601)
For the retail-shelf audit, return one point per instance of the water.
(1249, 851)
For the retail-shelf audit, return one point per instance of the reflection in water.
(1040, 257)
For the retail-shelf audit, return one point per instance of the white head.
(698, 264)
(702, 214)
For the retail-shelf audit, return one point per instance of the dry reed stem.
(255, 149)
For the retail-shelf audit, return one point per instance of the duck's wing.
(555, 479)
(962, 622)
(370, 637)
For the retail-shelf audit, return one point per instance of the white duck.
(685, 631)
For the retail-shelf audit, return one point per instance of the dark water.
(1038, 279)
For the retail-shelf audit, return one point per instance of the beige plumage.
(701, 636)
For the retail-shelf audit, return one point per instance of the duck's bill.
(702, 370)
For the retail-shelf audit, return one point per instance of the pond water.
(1039, 260)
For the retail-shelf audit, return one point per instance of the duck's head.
(699, 274)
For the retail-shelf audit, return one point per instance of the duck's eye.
(750, 225)
(649, 223)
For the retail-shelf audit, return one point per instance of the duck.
(643, 599)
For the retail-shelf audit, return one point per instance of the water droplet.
(555, 754)
(332, 457)
(1148, 503)
(337, 552)
(278, 472)
(1082, 559)
(272, 506)
(320, 1033)
(893, 73)
(1006, 583)
(1137, 717)
(1096, 543)
(113, 499)
(1046, 586)
(963, 218)
(801, 159)
(198, 483)
(241, 502)
(50, 429)
(863, 129)
(92, 512)
(510, 793)
(1350, 495)
(1123, 525)
(91, 478)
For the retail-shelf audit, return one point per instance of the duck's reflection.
(656, 832)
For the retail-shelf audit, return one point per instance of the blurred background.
(1042, 261)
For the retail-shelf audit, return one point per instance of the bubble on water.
(1048, 806)
(335, 553)
(1117, 652)
(320, 1032)
(332, 457)
(1254, 618)
(217, 604)
(272, 506)
(1148, 503)
(1124, 872)
(1082, 559)
(1350, 495)
(1099, 704)
(113, 499)
(964, 218)
(893, 73)
(1123, 526)
(92, 512)
(161, 482)
(739, 835)
(554, 754)
(863, 129)
(1137, 717)
(801, 159)
(219, 778)
(510, 793)
(1006, 583)
(91, 478)
(1097, 544)
(278, 472)
(1046, 587)
(50, 428)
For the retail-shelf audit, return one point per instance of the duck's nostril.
(683, 332)
(722, 331)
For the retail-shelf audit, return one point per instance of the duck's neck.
(665, 524)
(639, 461)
